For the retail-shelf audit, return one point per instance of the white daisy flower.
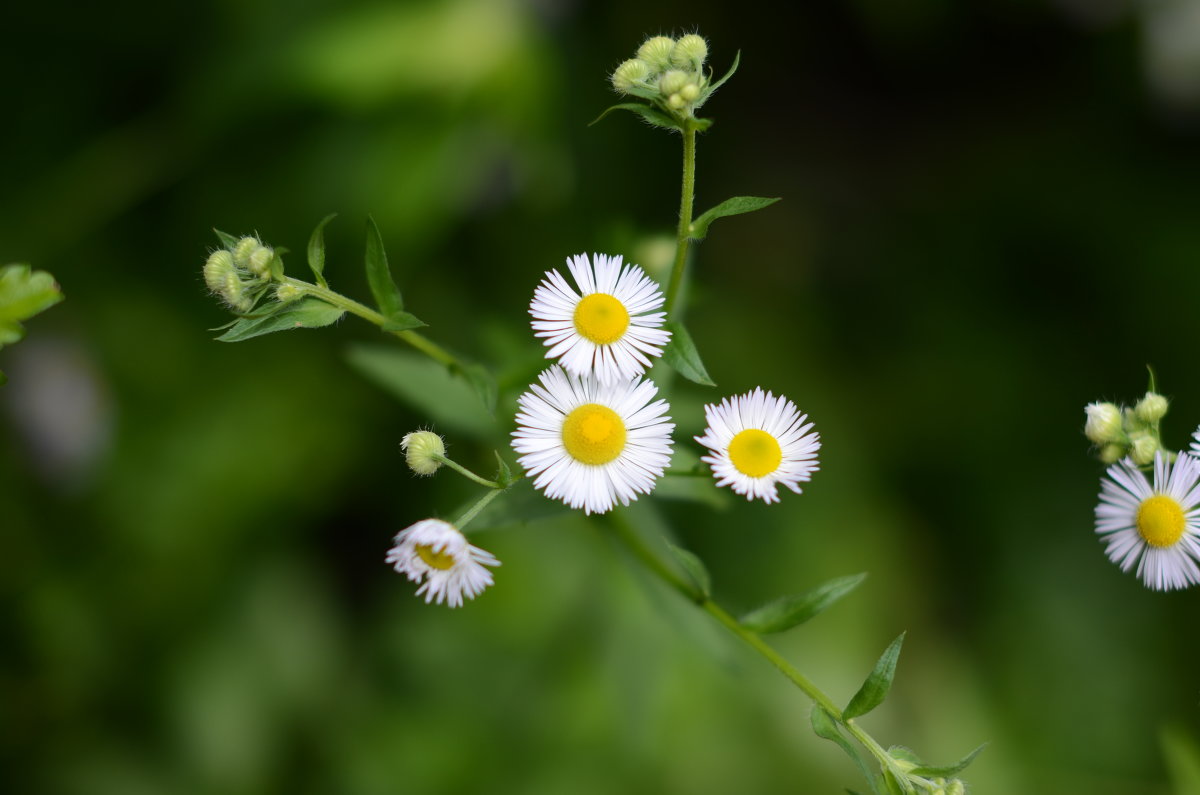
(1194, 447)
(435, 552)
(609, 328)
(759, 442)
(1156, 528)
(591, 444)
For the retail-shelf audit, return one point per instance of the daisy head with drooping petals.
(609, 328)
(589, 444)
(437, 555)
(1153, 527)
(759, 442)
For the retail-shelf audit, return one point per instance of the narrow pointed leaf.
(649, 113)
(695, 569)
(791, 611)
(702, 124)
(948, 771)
(379, 275)
(826, 728)
(737, 59)
(1153, 385)
(738, 205)
(402, 321)
(316, 250)
(875, 689)
(228, 241)
(504, 475)
(308, 312)
(682, 355)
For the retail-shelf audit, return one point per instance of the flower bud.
(420, 451)
(216, 270)
(1151, 408)
(675, 102)
(260, 262)
(1112, 453)
(286, 292)
(234, 293)
(657, 52)
(1103, 423)
(672, 81)
(242, 251)
(690, 92)
(956, 787)
(628, 74)
(689, 52)
(1142, 447)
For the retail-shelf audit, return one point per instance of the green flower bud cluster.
(240, 273)
(669, 73)
(1122, 431)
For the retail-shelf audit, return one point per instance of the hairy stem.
(687, 199)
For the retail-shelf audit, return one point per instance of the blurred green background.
(990, 218)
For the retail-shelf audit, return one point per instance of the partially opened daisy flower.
(609, 328)
(1155, 528)
(590, 444)
(435, 554)
(759, 442)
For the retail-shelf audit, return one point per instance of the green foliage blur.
(989, 219)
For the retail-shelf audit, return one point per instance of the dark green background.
(990, 218)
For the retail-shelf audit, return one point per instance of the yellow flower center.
(1160, 521)
(442, 561)
(755, 453)
(601, 318)
(593, 434)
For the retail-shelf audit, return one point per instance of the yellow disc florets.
(593, 434)
(755, 453)
(1161, 521)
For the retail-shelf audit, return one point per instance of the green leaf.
(308, 312)
(483, 382)
(649, 113)
(316, 250)
(825, 727)
(379, 276)
(24, 293)
(737, 59)
(702, 124)
(427, 386)
(875, 689)
(695, 569)
(791, 611)
(1153, 385)
(504, 475)
(681, 354)
(947, 771)
(1182, 757)
(228, 241)
(738, 205)
(402, 321)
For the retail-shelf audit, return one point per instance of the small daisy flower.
(1158, 528)
(1194, 447)
(591, 444)
(436, 553)
(609, 328)
(758, 442)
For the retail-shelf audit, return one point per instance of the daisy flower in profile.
(1155, 528)
(608, 328)
(435, 554)
(758, 442)
(590, 444)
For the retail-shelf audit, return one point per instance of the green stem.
(687, 199)
(421, 343)
(634, 541)
(462, 470)
(480, 504)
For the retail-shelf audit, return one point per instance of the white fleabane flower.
(590, 444)
(435, 554)
(609, 328)
(759, 442)
(1157, 528)
(1194, 447)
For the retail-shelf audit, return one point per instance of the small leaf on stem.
(695, 569)
(682, 355)
(308, 312)
(649, 113)
(791, 611)
(875, 689)
(738, 205)
(379, 275)
(316, 250)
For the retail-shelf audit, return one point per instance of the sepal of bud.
(656, 52)
(1103, 423)
(1152, 408)
(689, 52)
(422, 450)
